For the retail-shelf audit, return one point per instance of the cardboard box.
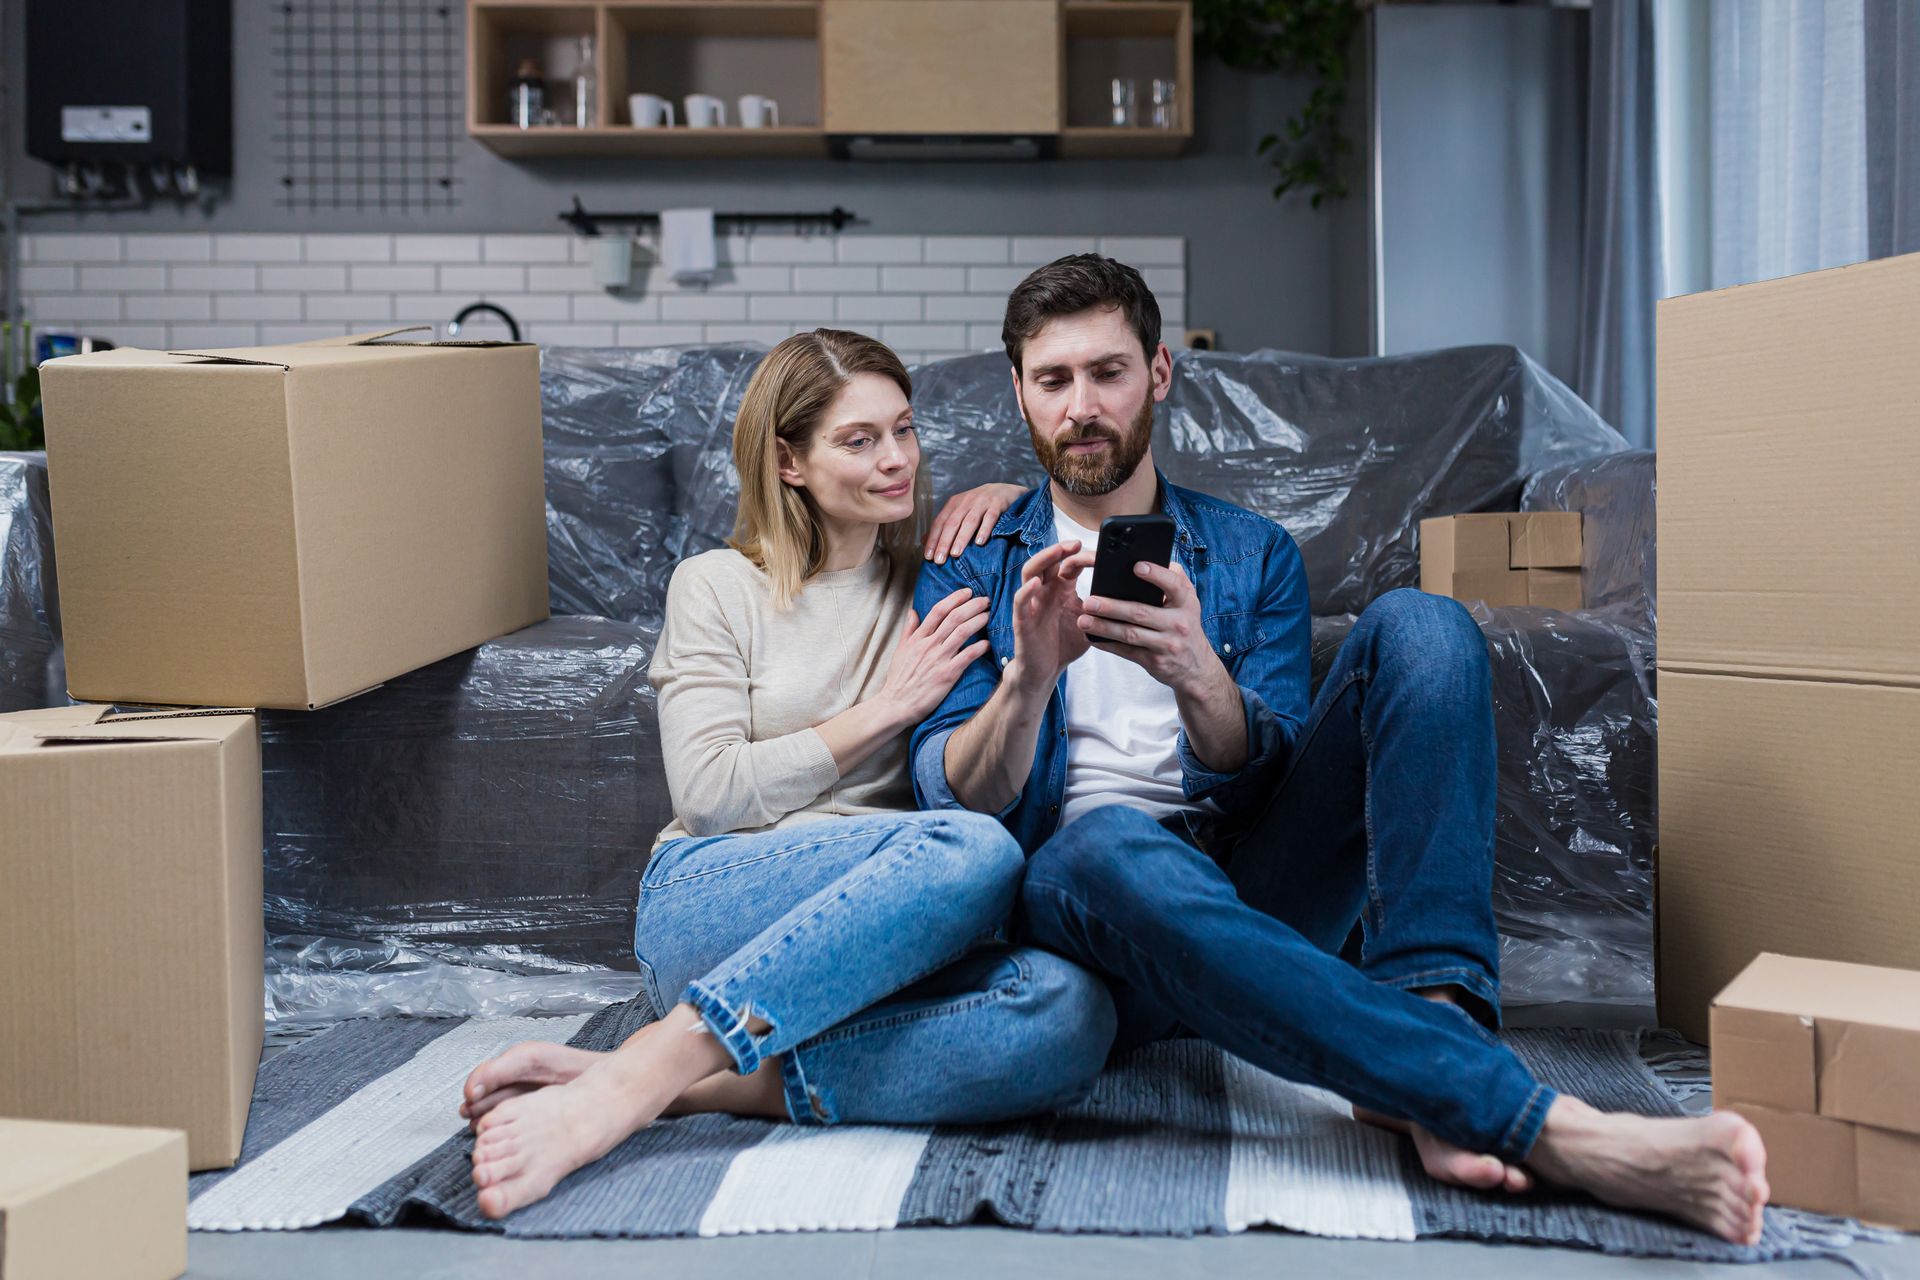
(91, 1202)
(287, 526)
(1789, 627)
(1788, 464)
(130, 924)
(1786, 824)
(1503, 558)
(1824, 1059)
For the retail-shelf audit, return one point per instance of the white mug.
(757, 111)
(612, 258)
(649, 110)
(704, 111)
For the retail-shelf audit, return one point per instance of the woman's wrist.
(891, 713)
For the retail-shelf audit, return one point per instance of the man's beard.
(1092, 475)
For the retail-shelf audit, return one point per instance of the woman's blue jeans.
(871, 949)
(1383, 816)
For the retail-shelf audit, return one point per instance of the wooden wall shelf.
(791, 50)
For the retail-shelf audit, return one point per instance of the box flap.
(1870, 1074)
(121, 357)
(43, 1155)
(332, 351)
(24, 730)
(361, 339)
(191, 726)
(1827, 989)
(1764, 1058)
(20, 730)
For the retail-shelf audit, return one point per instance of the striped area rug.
(1177, 1139)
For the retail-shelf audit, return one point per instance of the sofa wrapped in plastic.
(1349, 455)
(468, 837)
(32, 673)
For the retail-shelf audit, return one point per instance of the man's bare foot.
(519, 1070)
(1453, 1165)
(1709, 1170)
(1443, 1161)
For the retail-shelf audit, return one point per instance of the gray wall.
(1259, 271)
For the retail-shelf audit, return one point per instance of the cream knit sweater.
(741, 685)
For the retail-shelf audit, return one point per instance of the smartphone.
(1124, 542)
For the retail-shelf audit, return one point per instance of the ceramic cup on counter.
(649, 110)
(757, 111)
(704, 111)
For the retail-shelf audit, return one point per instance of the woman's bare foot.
(1453, 1165)
(1709, 1170)
(526, 1143)
(519, 1070)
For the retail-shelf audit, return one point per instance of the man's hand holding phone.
(1166, 640)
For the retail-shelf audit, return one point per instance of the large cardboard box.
(286, 526)
(130, 921)
(1503, 557)
(91, 1202)
(1824, 1058)
(1789, 627)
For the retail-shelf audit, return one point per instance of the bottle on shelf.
(585, 87)
(528, 95)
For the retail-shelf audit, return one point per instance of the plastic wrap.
(639, 469)
(1350, 455)
(1617, 550)
(493, 810)
(1574, 824)
(32, 673)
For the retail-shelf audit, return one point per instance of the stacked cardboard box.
(269, 527)
(1789, 627)
(91, 1202)
(1503, 558)
(130, 929)
(1824, 1059)
(288, 526)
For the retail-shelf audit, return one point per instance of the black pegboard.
(368, 107)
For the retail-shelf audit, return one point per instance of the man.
(1308, 887)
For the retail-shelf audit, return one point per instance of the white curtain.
(1789, 165)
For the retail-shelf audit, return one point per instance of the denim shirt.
(1252, 586)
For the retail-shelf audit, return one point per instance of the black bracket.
(588, 224)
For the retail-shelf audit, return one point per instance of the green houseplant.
(20, 422)
(1310, 36)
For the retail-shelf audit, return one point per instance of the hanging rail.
(587, 224)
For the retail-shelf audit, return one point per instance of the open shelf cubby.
(773, 48)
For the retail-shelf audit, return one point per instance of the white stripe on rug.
(849, 1178)
(1300, 1162)
(316, 1173)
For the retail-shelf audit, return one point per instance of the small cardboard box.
(130, 921)
(1503, 558)
(1789, 627)
(287, 526)
(1824, 1059)
(91, 1202)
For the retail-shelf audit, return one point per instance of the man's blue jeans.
(1382, 816)
(870, 948)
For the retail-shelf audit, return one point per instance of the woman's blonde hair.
(778, 526)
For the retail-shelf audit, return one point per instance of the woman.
(815, 951)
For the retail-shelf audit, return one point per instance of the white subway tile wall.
(927, 296)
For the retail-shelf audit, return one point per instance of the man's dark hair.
(1080, 282)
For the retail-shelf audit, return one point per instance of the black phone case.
(1124, 542)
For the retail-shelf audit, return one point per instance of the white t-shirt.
(1121, 724)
